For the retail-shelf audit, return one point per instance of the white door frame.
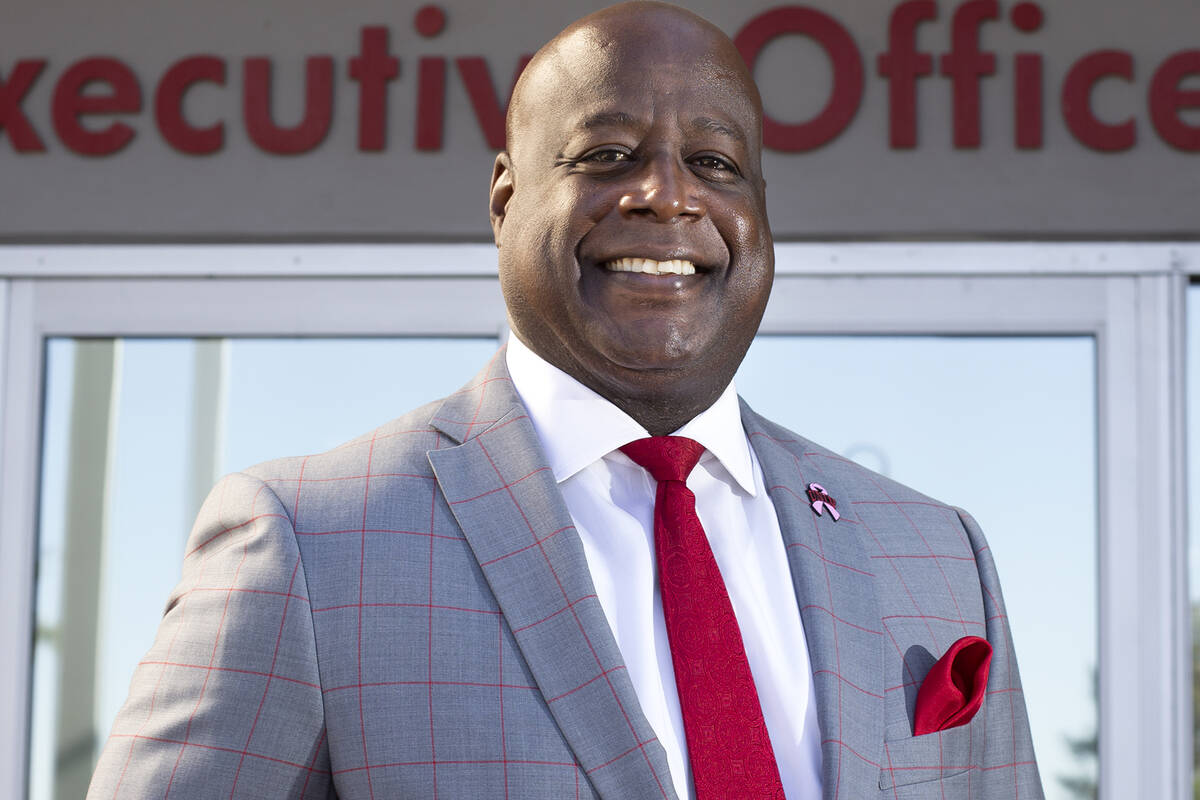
(1130, 297)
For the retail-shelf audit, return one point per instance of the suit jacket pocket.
(909, 759)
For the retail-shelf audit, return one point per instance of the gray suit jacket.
(410, 615)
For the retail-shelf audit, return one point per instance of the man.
(469, 601)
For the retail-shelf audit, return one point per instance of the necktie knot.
(666, 458)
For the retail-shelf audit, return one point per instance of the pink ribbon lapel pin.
(822, 502)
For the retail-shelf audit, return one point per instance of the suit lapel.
(835, 589)
(512, 514)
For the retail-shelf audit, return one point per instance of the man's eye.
(606, 156)
(714, 163)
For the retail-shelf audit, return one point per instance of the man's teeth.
(649, 266)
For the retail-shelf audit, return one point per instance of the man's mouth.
(648, 266)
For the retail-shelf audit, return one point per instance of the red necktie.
(727, 739)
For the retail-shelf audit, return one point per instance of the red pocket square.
(953, 690)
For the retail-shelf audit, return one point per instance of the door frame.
(1129, 297)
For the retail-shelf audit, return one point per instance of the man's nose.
(663, 189)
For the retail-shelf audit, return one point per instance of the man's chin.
(654, 373)
(651, 361)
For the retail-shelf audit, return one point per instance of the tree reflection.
(1086, 750)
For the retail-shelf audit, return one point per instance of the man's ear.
(500, 193)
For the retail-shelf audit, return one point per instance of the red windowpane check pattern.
(728, 744)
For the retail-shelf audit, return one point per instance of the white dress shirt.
(611, 501)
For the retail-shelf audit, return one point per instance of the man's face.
(640, 153)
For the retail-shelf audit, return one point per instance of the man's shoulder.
(399, 448)
(395, 447)
(891, 516)
(815, 463)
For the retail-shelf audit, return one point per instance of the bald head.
(628, 36)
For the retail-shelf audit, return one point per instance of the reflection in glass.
(135, 432)
(1006, 428)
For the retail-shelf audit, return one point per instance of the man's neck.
(661, 405)
(577, 426)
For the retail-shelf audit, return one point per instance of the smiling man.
(635, 253)
(591, 572)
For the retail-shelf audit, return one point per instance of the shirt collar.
(577, 427)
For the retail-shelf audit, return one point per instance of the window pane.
(135, 432)
(1006, 428)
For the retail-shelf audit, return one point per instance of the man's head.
(636, 134)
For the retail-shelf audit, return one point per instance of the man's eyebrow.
(709, 125)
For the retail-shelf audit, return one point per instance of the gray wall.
(855, 185)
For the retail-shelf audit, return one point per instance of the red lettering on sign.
(431, 102)
(373, 68)
(1077, 101)
(429, 20)
(844, 56)
(12, 119)
(1027, 81)
(70, 104)
(1027, 17)
(478, 79)
(1172, 97)
(965, 64)
(1166, 98)
(1027, 101)
(902, 65)
(318, 107)
(168, 105)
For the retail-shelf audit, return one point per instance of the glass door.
(1035, 385)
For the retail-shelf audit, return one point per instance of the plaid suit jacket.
(410, 615)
